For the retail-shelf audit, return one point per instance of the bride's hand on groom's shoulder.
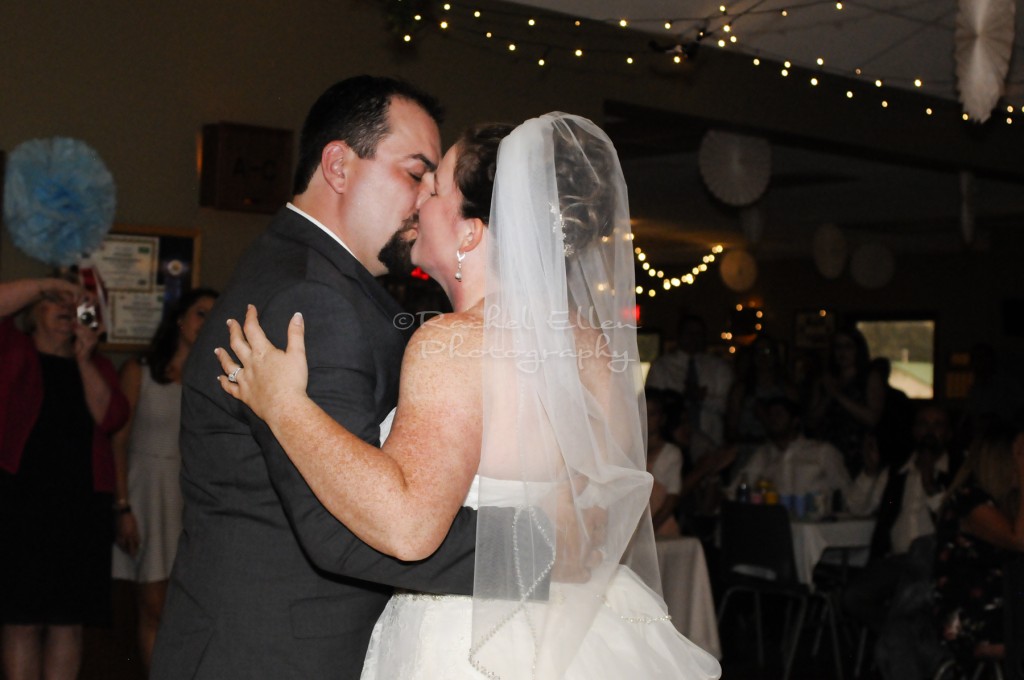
(264, 377)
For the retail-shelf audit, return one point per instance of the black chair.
(757, 558)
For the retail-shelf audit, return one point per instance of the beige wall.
(137, 81)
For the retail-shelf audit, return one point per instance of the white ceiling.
(896, 41)
(902, 206)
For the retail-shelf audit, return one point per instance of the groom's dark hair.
(355, 111)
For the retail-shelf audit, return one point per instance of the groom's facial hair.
(396, 254)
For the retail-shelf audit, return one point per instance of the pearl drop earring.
(458, 272)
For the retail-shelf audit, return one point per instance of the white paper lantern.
(738, 270)
(736, 168)
(872, 265)
(984, 43)
(830, 249)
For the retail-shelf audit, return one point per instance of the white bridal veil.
(563, 405)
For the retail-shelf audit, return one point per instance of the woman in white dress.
(527, 396)
(148, 503)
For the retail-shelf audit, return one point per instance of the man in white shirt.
(794, 464)
(703, 380)
(902, 547)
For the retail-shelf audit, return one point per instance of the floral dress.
(968, 578)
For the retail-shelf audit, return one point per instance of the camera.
(87, 315)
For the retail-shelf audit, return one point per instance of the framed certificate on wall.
(145, 270)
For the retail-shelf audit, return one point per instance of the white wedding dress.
(427, 637)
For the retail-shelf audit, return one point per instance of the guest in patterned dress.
(149, 503)
(980, 525)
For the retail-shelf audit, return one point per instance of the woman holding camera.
(59, 406)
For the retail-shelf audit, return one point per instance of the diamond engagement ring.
(233, 376)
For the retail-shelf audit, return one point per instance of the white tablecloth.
(684, 580)
(812, 539)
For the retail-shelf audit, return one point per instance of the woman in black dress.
(61, 404)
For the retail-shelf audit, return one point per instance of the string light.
(670, 282)
(726, 36)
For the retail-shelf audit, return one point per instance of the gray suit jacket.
(266, 584)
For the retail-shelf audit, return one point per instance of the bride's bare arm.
(400, 499)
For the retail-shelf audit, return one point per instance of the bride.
(530, 390)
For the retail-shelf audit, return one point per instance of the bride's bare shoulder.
(447, 337)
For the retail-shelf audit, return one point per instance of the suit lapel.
(290, 225)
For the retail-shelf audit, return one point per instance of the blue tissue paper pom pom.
(58, 199)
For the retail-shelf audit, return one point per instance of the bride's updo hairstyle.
(583, 165)
(476, 166)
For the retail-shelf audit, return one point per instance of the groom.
(266, 584)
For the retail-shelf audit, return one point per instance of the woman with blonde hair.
(981, 522)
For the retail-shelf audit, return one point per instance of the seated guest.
(665, 463)
(980, 524)
(794, 464)
(906, 497)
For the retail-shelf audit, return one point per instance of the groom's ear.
(333, 164)
(474, 234)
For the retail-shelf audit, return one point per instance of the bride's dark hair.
(476, 166)
(584, 164)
